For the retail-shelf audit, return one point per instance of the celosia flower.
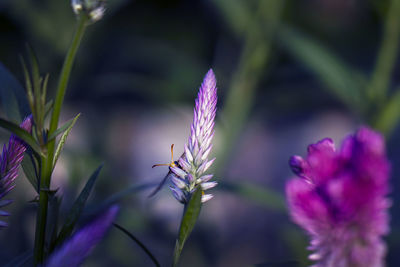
(340, 200)
(78, 248)
(10, 159)
(189, 170)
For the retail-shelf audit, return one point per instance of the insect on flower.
(172, 164)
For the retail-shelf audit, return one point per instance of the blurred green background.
(289, 73)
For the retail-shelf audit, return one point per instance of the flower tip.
(210, 74)
(27, 123)
(296, 163)
(210, 81)
(206, 197)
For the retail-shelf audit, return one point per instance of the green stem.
(387, 55)
(65, 73)
(47, 161)
(255, 55)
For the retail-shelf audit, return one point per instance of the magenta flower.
(78, 248)
(188, 172)
(10, 159)
(340, 200)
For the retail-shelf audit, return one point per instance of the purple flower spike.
(78, 248)
(194, 162)
(340, 200)
(10, 159)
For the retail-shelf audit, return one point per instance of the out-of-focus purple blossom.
(78, 248)
(340, 200)
(189, 170)
(10, 159)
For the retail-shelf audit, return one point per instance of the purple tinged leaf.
(178, 172)
(178, 194)
(178, 182)
(5, 202)
(208, 185)
(184, 164)
(4, 213)
(74, 251)
(205, 178)
(188, 154)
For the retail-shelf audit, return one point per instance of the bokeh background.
(289, 73)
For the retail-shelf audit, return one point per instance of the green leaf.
(28, 84)
(48, 108)
(67, 126)
(192, 211)
(61, 144)
(21, 133)
(137, 241)
(12, 94)
(237, 14)
(389, 116)
(30, 171)
(36, 80)
(343, 81)
(256, 193)
(77, 208)
(53, 219)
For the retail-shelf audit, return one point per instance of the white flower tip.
(206, 197)
(208, 185)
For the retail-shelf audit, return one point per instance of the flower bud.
(93, 9)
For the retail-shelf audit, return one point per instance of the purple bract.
(340, 200)
(77, 249)
(10, 159)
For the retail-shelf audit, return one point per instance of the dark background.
(135, 79)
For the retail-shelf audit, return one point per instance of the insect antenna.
(171, 164)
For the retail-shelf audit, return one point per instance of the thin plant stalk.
(255, 55)
(47, 160)
(387, 55)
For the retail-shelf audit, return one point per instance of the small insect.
(172, 164)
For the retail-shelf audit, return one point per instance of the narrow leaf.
(192, 211)
(67, 126)
(48, 108)
(30, 172)
(63, 140)
(28, 84)
(12, 96)
(35, 73)
(388, 118)
(21, 133)
(137, 241)
(77, 208)
(343, 81)
(75, 251)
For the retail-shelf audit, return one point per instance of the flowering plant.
(340, 199)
